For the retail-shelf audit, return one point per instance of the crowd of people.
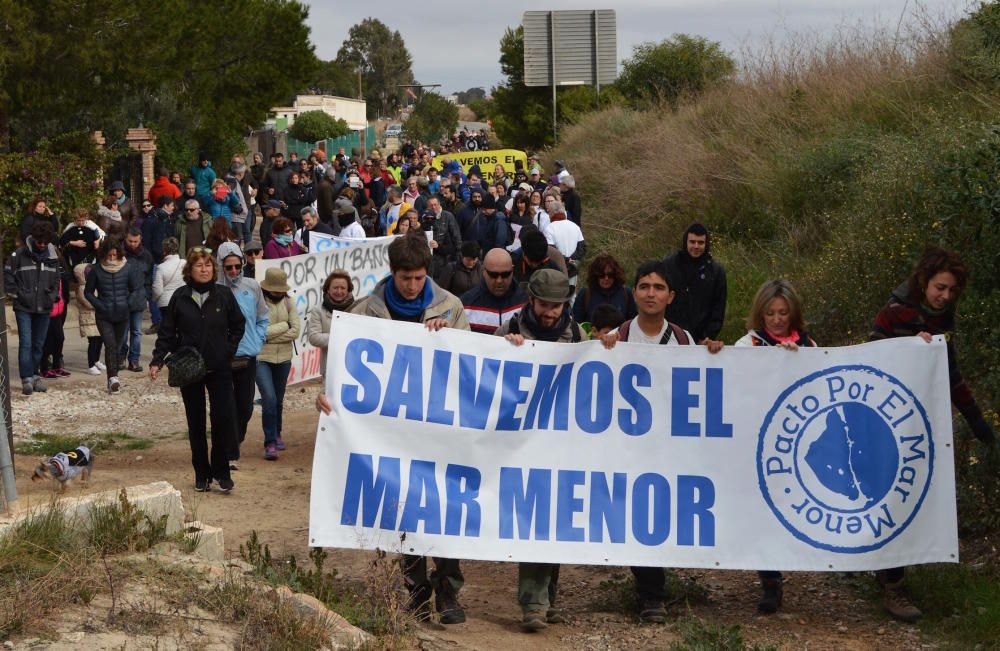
(500, 258)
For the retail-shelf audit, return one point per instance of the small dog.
(64, 467)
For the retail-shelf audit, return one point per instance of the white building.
(351, 111)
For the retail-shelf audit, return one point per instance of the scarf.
(201, 288)
(113, 267)
(283, 240)
(541, 334)
(121, 199)
(790, 338)
(412, 308)
(330, 306)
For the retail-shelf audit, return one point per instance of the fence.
(349, 142)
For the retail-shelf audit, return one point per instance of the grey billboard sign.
(568, 48)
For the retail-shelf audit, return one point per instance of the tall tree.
(334, 78)
(432, 117)
(383, 60)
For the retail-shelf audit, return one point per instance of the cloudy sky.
(456, 44)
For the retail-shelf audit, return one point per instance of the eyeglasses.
(231, 266)
(499, 274)
(192, 209)
(147, 205)
(200, 249)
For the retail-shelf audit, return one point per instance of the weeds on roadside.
(618, 594)
(375, 606)
(961, 603)
(697, 635)
(42, 444)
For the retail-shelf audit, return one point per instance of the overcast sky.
(457, 44)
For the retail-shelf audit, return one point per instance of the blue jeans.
(31, 331)
(271, 381)
(133, 344)
(155, 316)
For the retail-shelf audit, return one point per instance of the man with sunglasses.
(192, 228)
(497, 299)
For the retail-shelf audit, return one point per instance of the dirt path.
(820, 612)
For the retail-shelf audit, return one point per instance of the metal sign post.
(570, 48)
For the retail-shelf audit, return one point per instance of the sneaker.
(280, 443)
(226, 485)
(446, 602)
(62, 372)
(202, 485)
(653, 612)
(100, 366)
(38, 384)
(533, 621)
(770, 600)
(27, 387)
(153, 329)
(555, 616)
(897, 602)
(135, 367)
(271, 452)
(234, 465)
(93, 370)
(114, 385)
(51, 374)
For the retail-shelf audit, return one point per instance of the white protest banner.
(820, 459)
(366, 260)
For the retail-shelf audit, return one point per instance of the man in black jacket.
(699, 305)
(571, 199)
(142, 262)
(447, 238)
(496, 299)
(31, 279)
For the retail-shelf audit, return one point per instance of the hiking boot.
(280, 443)
(202, 485)
(897, 602)
(152, 330)
(447, 605)
(27, 387)
(271, 452)
(419, 604)
(653, 612)
(770, 601)
(38, 384)
(114, 385)
(135, 367)
(226, 485)
(533, 621)
(555, 616)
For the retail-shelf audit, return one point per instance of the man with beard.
(468, 216)
(700, 303)
(546, 317)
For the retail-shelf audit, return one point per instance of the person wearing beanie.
(203, 175)
(463, 274)
(532, 256)
(699, 305)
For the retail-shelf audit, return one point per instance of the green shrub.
(313, 126)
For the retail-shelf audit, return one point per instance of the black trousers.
(243, 392)
(113, 334)
(219, 384)
(52, 349)
(649, 583)
(445, 569)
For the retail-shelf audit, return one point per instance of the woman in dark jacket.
(297, 196)
(205, 316)
(924, 306)
(115, 290)
(605, 285)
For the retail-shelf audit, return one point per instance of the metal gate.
(128, 170)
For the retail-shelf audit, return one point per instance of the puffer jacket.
(444, 305)
(215, 327)
(169, 277)
(85, 311)
(283, 329)
(32, 278)
(115, 295)
(225, 208)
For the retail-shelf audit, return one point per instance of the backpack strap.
(682, 338)
(515, 326)
(577, 333)
(623, 330)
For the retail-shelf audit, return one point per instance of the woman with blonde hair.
(775, 320)
(204, 316)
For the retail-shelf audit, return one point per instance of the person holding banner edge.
(653, 292)
(775, 320)
(546, 317)
(924, 306)
(409, 294)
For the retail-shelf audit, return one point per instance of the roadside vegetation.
(834, 165)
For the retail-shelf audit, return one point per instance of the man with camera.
(447, 238)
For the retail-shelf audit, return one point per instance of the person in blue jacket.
(222, 202)
(203, 174)
(250, 299)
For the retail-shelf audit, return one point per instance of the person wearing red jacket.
(163, 188)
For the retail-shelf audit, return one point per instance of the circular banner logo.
(844, 458)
